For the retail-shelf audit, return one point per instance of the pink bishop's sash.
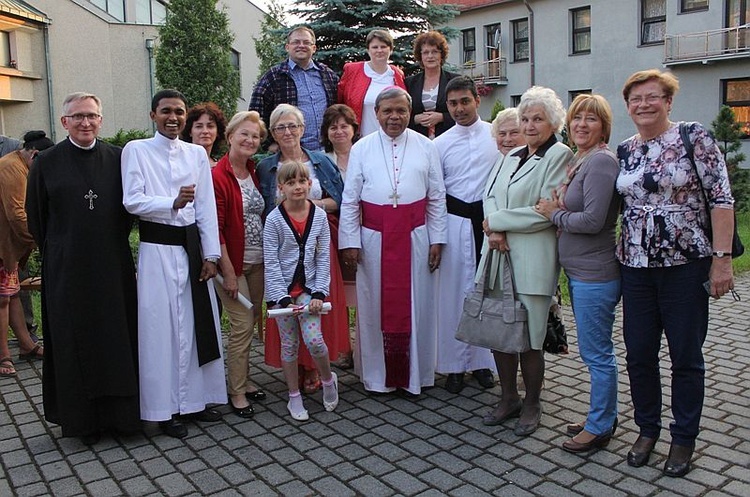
(396, 226)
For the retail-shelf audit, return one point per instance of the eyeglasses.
(305, 43)
(281, 128)
(79, 118)
(426, 53)
(649, 99)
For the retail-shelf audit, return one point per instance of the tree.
(194, 54)
(496, 109)
(341, 27)
(269, 47)
(728, 132)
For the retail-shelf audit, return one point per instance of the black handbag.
(556, 340)
(737, 247)
(495, 323)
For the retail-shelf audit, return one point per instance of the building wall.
(90, 51)
(615, 54)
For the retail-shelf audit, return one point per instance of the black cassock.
(89, 307)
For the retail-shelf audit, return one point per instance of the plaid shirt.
(277, 87)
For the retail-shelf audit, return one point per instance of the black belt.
(474, 212)
(188, 238)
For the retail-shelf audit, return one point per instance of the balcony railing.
(708, 45)
(493, 71)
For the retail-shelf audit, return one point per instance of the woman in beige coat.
(514, 227)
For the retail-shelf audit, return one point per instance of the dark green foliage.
(496, 109)
(194, 54)
(269, 47)
(728, 132)
(341, 27)
(122, 136)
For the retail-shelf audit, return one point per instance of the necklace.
(396, 170)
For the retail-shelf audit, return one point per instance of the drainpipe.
(50, 99)
(151, 71)
(532, 67)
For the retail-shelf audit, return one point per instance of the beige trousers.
(241, 322)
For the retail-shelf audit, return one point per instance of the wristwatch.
(720, 254)
(211, 259)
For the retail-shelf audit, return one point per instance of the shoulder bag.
(737, 247)
(495, 323)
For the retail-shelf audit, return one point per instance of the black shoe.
(678, 461)
(484, 377)
(243, 412)
(641, 451)
(455, 382)
(207, 415)
(173, 428)
(91, 438)
(256, 395)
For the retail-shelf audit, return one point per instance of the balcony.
(707, 46)
(490, 72)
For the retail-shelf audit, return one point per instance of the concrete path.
(382, 445)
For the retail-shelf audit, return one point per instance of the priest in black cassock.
(89, 306)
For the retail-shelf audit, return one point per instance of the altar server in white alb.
(467, 153)
(393, 228)
(167, 184)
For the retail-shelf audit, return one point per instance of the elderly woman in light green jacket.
(514, 227)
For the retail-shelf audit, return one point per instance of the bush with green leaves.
(124, 136)
(728, 133)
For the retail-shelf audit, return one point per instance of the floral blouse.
(665, 221)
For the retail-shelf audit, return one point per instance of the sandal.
(34, 354)
(7, 369)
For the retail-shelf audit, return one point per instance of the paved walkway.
(386, 445)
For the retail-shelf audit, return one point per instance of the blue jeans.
(672, 300)
(594, 309)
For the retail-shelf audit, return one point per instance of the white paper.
(241, 298)
(288, 311)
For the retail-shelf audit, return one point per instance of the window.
(469, 44)
(493, 50)
(572, 94)
(581, 24)
(738, 14)
(234, 58)
(737, 96)
(515, 100)
(693, 5)
(5, 57)
(520, 40)
(150, 12)
(653, 21)
(115, 8)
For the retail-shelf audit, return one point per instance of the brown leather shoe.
(597, 442)
(641, 451)
(574, 429)
(678, 461)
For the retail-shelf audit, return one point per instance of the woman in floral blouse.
(675, 251)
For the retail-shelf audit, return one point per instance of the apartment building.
(575, 46)
(49, 48)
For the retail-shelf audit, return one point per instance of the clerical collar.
(471, 127)
(399, 139)
(81, 146)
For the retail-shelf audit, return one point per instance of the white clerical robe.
(370, 178)
(171, 381)
(467, 154)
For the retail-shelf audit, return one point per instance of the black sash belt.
(188, 238)
(475, 213)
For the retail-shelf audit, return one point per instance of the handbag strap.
(509, 287)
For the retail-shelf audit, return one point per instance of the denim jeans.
(594, 310)
(672, 300)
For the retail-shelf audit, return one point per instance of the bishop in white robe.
(467, 154)
(393, 216)
(172, 381)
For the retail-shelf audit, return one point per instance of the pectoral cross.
(90, 196)
(394, 196)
